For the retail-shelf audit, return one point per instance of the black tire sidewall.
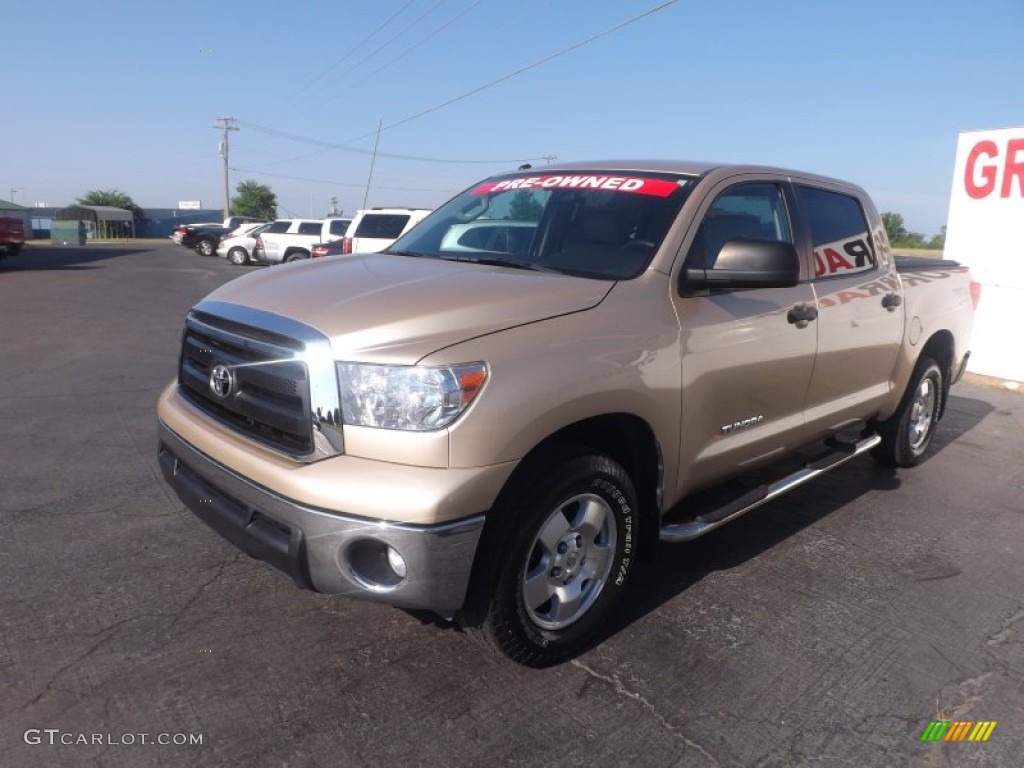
(907, 454)
(513, 630)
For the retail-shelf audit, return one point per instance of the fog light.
(374, 564)
(397, 563)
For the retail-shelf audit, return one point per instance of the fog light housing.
(375, 565)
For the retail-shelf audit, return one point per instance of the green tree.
(524, 207)
(894, 227)
(939, 241)
(254, 199)
(114, 198)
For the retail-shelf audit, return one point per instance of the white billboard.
(985, 231)
(190, 205)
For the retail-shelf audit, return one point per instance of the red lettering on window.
(836, 261)
(819, 265)
(1014, 167)
(988, 172)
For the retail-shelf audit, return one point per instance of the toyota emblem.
(221, 381)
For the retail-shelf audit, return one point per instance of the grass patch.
(921, 253)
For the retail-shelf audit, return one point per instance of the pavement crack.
(51, 684)
(621, 689)
(220, 568)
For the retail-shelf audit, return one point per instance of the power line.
(408, 50)
(519, 71)
(339, 183)
(351, 51)
(357, 150)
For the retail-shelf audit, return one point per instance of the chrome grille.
(270, 378)
(269, 397)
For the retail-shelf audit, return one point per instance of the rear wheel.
(238, 256)
(205, 248)
(907, 434)
(295, 256)
(563, 560)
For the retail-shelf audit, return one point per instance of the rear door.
(746, 360)
(860, 312)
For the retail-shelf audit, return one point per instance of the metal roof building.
(103, 220)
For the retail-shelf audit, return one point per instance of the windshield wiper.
(502, 261)
(404, 253)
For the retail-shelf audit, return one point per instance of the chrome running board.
(708, 521)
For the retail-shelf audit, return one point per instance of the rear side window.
(839, 231)
(278, 226)
(309, 228)
(338, 226)
(382, 225)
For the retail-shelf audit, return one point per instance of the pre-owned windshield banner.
(637, 185)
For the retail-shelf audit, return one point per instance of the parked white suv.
(374, 229)
(296, 242)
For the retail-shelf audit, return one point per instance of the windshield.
(593, 224)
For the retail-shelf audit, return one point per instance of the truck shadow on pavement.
(56, 257)
(677, 567)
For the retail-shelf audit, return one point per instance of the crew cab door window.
(744, 212)
(839, 232)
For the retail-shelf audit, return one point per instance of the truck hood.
(383, 308)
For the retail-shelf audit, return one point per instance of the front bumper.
(321, 550)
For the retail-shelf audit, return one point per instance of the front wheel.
(907, 434)
(564, 560)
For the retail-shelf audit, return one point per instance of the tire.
(295, 256)
(205, 248)
(238, 256)
(564, 558)
(907, 434)
(14, 250)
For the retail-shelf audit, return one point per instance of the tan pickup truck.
(496, 417)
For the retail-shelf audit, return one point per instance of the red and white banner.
(638, 185)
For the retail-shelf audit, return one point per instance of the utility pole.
(373, 160)
(226, 124)
(13, 190)
(549, 158)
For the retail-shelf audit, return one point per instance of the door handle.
(802, 314)
(891, 300)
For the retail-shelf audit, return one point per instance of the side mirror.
(746, 264)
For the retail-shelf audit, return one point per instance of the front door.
(746, 360)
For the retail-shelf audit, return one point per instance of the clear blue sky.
(125, 94)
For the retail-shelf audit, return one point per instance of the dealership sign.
(985, 231)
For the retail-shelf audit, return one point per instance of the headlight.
(410, 397)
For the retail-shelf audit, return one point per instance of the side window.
(278, 226)
(382, 225)
(839, 231)
(338, 226)
(310, 228)
(744, 212)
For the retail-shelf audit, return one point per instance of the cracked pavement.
(826, 628)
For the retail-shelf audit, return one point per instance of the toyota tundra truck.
(496, 417)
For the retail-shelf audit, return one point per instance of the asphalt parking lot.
(827, 628)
